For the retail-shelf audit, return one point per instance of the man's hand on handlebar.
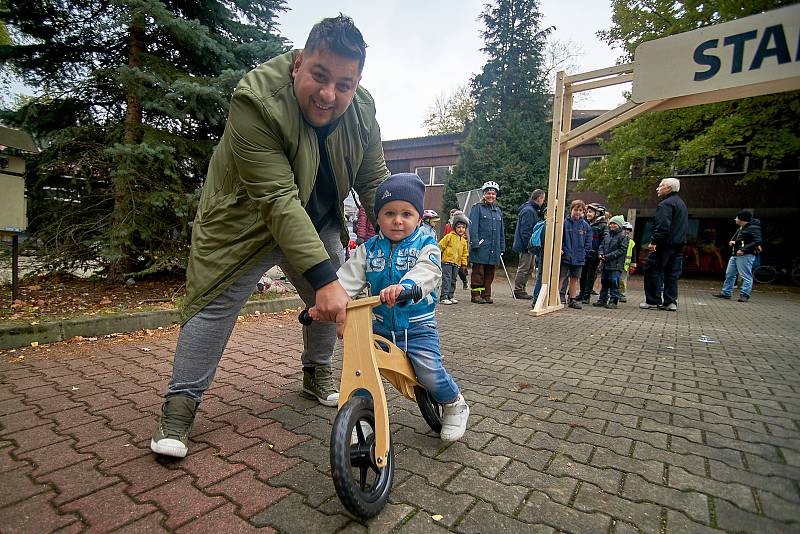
(331, 305)
(389, 294)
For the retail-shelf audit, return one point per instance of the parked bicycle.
(767, 274)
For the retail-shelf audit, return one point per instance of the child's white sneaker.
(454, 419)
(447, 301)
(454, 301)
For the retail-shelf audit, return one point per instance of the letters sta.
(747, 50)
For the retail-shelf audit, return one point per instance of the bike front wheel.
(765, 274)
(361, 485)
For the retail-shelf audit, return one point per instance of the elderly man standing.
(664, 264)
(301, 133)
(527, 219)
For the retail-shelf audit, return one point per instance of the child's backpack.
(537, 238)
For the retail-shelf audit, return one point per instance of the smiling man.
(300, 134)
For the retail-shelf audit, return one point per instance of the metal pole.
(507, 278)
(14, 267)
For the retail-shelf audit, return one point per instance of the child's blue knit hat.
(403, 186)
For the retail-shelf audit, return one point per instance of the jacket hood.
(754, 222)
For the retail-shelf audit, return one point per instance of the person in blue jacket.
(487, 240)
(526, 221)
(576, 244)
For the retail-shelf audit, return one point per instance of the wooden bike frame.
(365, 362)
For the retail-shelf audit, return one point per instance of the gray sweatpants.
(203, 338)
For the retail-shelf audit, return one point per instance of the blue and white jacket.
(378, 263)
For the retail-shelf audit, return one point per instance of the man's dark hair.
(340, 36)
(536, 194)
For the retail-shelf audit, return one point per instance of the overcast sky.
(420, 49)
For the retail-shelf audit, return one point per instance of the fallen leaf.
(34, 323)
(34, 343)
(436, 517)
(105, 300)
(75, 388)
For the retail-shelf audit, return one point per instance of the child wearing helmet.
(429, 221)
(487, 240)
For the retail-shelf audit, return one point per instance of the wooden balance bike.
(362, 456)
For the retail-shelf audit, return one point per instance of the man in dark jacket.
(664, 264)
(527, 219)
(744, 246)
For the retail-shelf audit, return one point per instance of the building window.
(733, 165)
(692, 171)
(788, 163)
(434, 175)
(575, 171)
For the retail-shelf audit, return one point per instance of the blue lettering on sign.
(773, 43)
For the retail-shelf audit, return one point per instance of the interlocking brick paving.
(588, 420)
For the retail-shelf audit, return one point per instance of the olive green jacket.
(261, 177)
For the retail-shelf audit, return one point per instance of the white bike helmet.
(430, 214)
(490, 185)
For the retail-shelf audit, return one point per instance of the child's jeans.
(449, 274)
(609, 281)
(421, 344)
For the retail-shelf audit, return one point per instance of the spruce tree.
(509, 140)
(134, 95)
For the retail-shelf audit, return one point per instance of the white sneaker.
(447, 301)
(454, 419)
(454, 301)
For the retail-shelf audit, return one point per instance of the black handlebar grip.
(305, 318)
(415, 293)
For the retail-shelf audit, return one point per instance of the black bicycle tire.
(765, 274)
(430, 409)
(352, 494)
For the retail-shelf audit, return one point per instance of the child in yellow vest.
(623, 278)
(455, 250)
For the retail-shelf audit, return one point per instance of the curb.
(23, 335)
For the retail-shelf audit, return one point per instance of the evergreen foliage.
(509, 140)
(135, 95)
(648, 148)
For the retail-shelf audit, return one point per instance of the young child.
(401, 256)
(462, 273)
(612, 253)
(455, 250)
(595, 216)
(623, 277)
(429, 221)
(576, 244)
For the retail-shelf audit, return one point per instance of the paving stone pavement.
(582, 421)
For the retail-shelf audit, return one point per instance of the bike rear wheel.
(430, 409)
(361, 485)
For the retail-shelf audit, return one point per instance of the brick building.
(710, 193)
